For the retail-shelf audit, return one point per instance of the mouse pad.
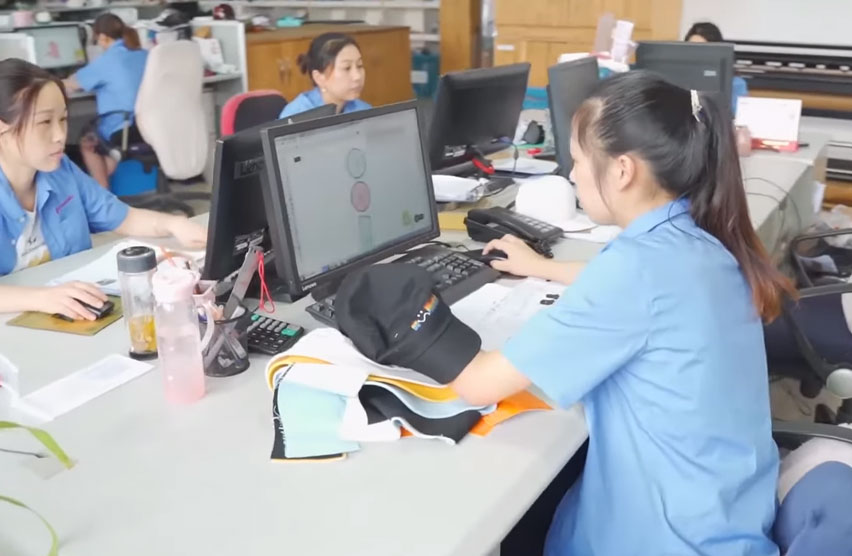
(44, 321)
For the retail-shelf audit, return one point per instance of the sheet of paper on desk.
(496, 311)
(524, 165)
(770, 118)
(72, 391)
(103, 271)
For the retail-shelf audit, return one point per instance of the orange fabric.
(513, 405)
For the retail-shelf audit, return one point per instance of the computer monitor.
(476, 108)
(569, 84)
(57, 46)
(346, 192)
(237, 213)
(707, 67)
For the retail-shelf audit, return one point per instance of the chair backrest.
(249, 109)
(169, 111)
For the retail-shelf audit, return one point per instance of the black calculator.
(271, 336)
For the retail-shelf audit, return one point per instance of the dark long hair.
(705, 29)
(20, 84)
(638, 112)
(113, 27)
(323, 52)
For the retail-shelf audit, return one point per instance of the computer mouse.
(493, 255)
(99, 312)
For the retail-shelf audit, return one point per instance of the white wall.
(789, 21)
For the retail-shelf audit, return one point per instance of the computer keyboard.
(455, 274)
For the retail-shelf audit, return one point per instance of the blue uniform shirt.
(739, 88)
(313, 99)
(660, 340)
(115, 77)
(70, 205)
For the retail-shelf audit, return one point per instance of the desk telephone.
(493, 223)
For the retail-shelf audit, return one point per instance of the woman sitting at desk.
(708, 32)
(48, 206)
(659, 336)
(115, 77)
(333, 62)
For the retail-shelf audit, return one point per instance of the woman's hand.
(65, 299)
(188, 233)
(521, 259)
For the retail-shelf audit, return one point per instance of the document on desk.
(497, 312)
(72, 391)
(103, 271)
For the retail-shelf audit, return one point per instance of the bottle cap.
(136, 259)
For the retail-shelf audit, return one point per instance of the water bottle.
(178, 336)
(136, 267)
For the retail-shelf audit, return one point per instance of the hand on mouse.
(520, 260)
(63, 299)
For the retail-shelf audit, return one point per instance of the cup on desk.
(227, 352)
(23, 18)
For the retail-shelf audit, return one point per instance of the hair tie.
(696, 104)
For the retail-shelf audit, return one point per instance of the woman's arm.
(523, 261)
(489, 378)
(149, 223)
(71, 84)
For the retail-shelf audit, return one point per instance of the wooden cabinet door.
(295, 82)
(387, 65)
(275, 66)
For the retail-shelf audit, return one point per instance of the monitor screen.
(57, 46)
(346, 189)
(569, 84)
(706, 67)
(477, 108)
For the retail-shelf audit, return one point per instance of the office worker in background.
(48, 206)
(333, 62)
(707, 32)
(115, 77)
(660, 335)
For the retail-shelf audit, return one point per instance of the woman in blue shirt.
(115, 77)
(48, 206)
(333, 62)
(705, 31)
(659, 336)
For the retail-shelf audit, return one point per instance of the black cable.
(783, 217)
(785, 198)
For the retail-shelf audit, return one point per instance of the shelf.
(426, 37)
(331, 4)
(62, 8)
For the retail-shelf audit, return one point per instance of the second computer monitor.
(707, 67)
(57, 46)
(477, 108)
(569, 84)
(347, 191)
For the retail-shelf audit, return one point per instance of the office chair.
(811, 341)
(249, 109)
(812, 518)
(170, 118)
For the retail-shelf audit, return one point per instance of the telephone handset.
(493, 223)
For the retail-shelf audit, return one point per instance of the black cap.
(136, 259)
(393, 316)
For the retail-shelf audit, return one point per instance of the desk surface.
(208, 80)
(158, 479)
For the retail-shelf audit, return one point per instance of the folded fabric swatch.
(310, 420)
(515, 404)
(430, 409)
(278, 441)
(359, 426)
(388, 406)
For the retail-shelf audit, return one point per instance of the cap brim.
(447, 357)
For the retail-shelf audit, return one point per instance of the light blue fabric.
(739, 88)
(431, 409)
(660, 340)
(313, 99)
(310, 421)
(70, 206)
(115, 77)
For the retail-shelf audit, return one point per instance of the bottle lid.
(136, 259)
(173, 284)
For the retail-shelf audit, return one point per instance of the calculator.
(271, 336)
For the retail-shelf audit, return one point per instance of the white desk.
(157, 479)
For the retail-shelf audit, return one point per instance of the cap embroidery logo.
(424, 313)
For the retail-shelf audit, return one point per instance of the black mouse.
(493, 255)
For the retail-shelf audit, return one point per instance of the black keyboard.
(456, 276)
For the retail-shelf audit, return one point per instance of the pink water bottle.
(178, 337)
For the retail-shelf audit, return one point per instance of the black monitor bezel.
(279, 224)
(562, 144)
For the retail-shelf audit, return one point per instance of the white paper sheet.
(74, 390)
(770, 118)
(525, 165)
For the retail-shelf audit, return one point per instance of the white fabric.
(809, 455)
(169, 112)
(31, 248)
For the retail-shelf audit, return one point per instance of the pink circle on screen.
(360, 196)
